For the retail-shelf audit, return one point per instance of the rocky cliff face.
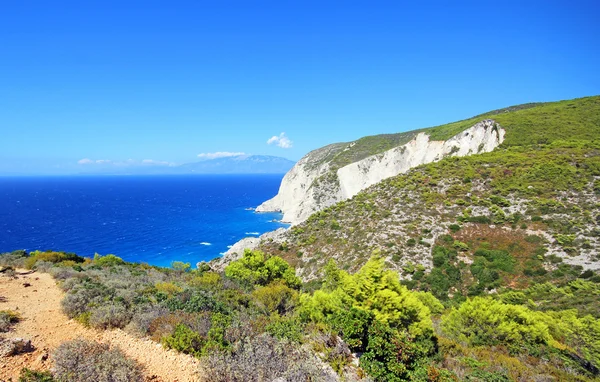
(315, 182)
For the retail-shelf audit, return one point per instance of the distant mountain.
(242, 164)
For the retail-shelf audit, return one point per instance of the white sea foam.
(253, 233)
(205, 243)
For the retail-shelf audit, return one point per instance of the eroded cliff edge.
(318, 180)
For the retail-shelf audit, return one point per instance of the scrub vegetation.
(480, 268)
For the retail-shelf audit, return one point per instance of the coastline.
(237, 249)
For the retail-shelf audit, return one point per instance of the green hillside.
(481, 268)
(533, 123)
(520, 225)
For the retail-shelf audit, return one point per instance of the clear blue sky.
(168, 80)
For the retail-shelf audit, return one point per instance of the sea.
(152, 219)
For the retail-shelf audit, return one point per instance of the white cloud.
(219, 154)
(282, 141)
(90, 161)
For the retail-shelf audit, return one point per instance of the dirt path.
(47, 327)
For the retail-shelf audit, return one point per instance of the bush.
(80, 296)
(254, 269)
(454, 227)
(108, 260)
(479, 219)
(275, 297)
(285, 328)
(28, 375)
(459, 245)
(263, 358)
(392, 355)
(15, 259)
(82, 361)
(484, 321)
(375, 290)
(429, 300)
(184, 340)
(142, 319)
(7, 319)
(109, 316)
(52, 257)
(192, 301)
(168, 288)
(352, 325)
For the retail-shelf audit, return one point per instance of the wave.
(250, 209)
(205, 243)
(253, 233)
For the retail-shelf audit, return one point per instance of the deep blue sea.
(153, 219)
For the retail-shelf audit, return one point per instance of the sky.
(84, 83)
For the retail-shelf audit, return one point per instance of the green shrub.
(180, 266)
(454, 227)
(192, 301)
(51, 257)
(484, 321)
(565, 240)
(352, 325)
(459, 245)
(276, 297)
(391, 355)
(184, 340)
(429, 300)
(28, 375)
(255, 269)
(108, 260)
(376, 291)
(499, 201)
(83, 361)
(479, 219)
(285, 328)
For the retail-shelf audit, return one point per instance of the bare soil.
(47, 327)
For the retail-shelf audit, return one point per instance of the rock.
(43, 357)
(26, 285)
(315, 182)
(237, 250)
(14, 346)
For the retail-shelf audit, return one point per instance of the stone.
(14, 346)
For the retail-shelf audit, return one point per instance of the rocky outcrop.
(315, 183)
(237, 250)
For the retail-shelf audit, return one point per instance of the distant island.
(240, 164)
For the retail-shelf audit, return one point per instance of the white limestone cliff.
(311, 186)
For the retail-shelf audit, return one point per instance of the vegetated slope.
(536, 197)
(338, 171)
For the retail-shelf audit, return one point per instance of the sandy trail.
(47, 327)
